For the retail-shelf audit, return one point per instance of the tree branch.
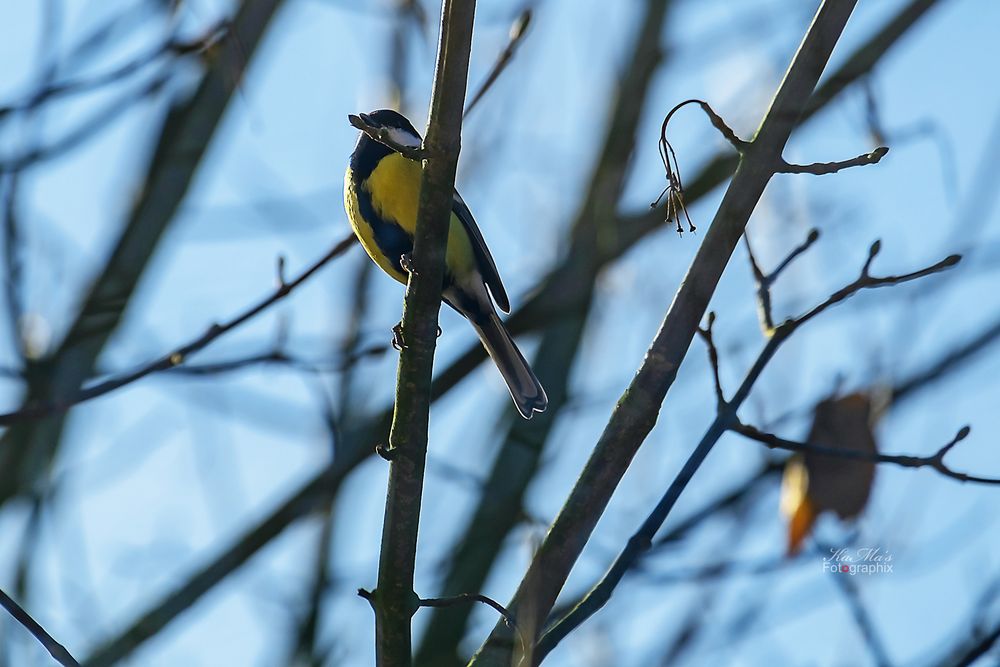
(395, 601)
(822, 168)
(935, 461)
(637, 410)
(726, 419)
(58, 652)
(176, 357)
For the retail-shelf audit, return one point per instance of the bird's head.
(394, 123)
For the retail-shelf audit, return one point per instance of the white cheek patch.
(402, 137)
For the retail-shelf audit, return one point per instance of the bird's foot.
(406, 262)
(397, 336)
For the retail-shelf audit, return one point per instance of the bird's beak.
(363, 122)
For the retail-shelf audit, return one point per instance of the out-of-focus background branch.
(156, 161)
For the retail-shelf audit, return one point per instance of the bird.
(381, 194)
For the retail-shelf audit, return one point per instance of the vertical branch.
(394, 599)
(637, 410)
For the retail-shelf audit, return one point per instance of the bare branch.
(726, 419)
(713, 359)
(172, 46)
(472, 597)
(866, 281)
(935, 461)
(636, 412)
(765, 281)
(177, 356)
(58, 652)
(517, 32)
(822, 168)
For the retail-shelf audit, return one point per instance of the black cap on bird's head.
(369, 151)
(389, 119)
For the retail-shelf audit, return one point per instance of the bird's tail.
(525, 389)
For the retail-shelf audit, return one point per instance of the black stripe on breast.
(392, 239)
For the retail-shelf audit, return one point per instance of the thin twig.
(726, 419)
(674, 192)
(863, 620)
(713, 359)
(58, 652)
(472, 597)
(517, 32)
(766, 280)
(177, 356)
(935, 460)
(822, 168)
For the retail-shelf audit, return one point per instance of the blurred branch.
(863, 620)
(55, 649)
(726, 419)
(185, 134)
(517, 33)
(394, 600)
(172, 46)
(179, 355)
(935, 461)
(954, 358)
(12, 270)
(86, 129)
(978, 646)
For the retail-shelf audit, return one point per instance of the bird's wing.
(483, 258)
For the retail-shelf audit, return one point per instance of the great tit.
(381, 193)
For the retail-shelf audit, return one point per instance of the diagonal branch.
(55, 649)
(637, 410)
(726, 419)
(176, 357)
(517, 32)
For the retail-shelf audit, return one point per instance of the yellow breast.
(394, 189)
(394, 186)
(363, 230)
